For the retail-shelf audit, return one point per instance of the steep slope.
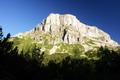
(57, 29)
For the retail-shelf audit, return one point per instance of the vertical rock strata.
(67, 28)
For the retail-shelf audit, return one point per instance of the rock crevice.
(67, 28)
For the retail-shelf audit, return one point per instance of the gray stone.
(68, 29)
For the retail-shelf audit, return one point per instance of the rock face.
(56, 29)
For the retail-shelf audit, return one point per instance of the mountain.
(59, 29)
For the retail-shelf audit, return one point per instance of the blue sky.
(23, 15)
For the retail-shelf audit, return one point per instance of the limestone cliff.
(56, 29)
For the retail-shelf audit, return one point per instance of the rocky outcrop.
(67, 28)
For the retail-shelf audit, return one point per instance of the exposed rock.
(67, 28)
(53, 50)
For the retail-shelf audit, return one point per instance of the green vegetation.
(23, 59)
(71, 49)
(26, 44)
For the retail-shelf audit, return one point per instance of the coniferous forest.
(36, 65)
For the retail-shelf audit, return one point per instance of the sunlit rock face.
(57, 28)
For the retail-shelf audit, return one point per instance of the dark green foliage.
(92, 54)
(12, 65)
(29, 65)
(109, 64)
(58, 57)
(1, 33)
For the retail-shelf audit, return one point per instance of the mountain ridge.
(66, 28)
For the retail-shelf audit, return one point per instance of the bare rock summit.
(57, 28)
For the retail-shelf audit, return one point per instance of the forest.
(36, 65)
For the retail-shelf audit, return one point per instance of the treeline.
(41, 66)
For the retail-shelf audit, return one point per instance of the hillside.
(34, 55)
(63, 33)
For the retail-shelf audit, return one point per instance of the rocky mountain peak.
(57, 28)
(57, 20)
